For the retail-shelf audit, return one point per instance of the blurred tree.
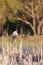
(32, 9)
(22, 10)
(2, 16)
(7, 9)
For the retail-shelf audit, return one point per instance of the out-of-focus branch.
(25, 21)
(39, 26)
(33, 14)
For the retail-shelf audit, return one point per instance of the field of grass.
(29, 41)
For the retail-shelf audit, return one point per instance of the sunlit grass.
(26, 42)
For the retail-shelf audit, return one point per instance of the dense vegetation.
(30, 12)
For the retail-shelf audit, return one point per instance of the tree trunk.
(34, 22)
(39, 26)
(42, 30)
(38, 31)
